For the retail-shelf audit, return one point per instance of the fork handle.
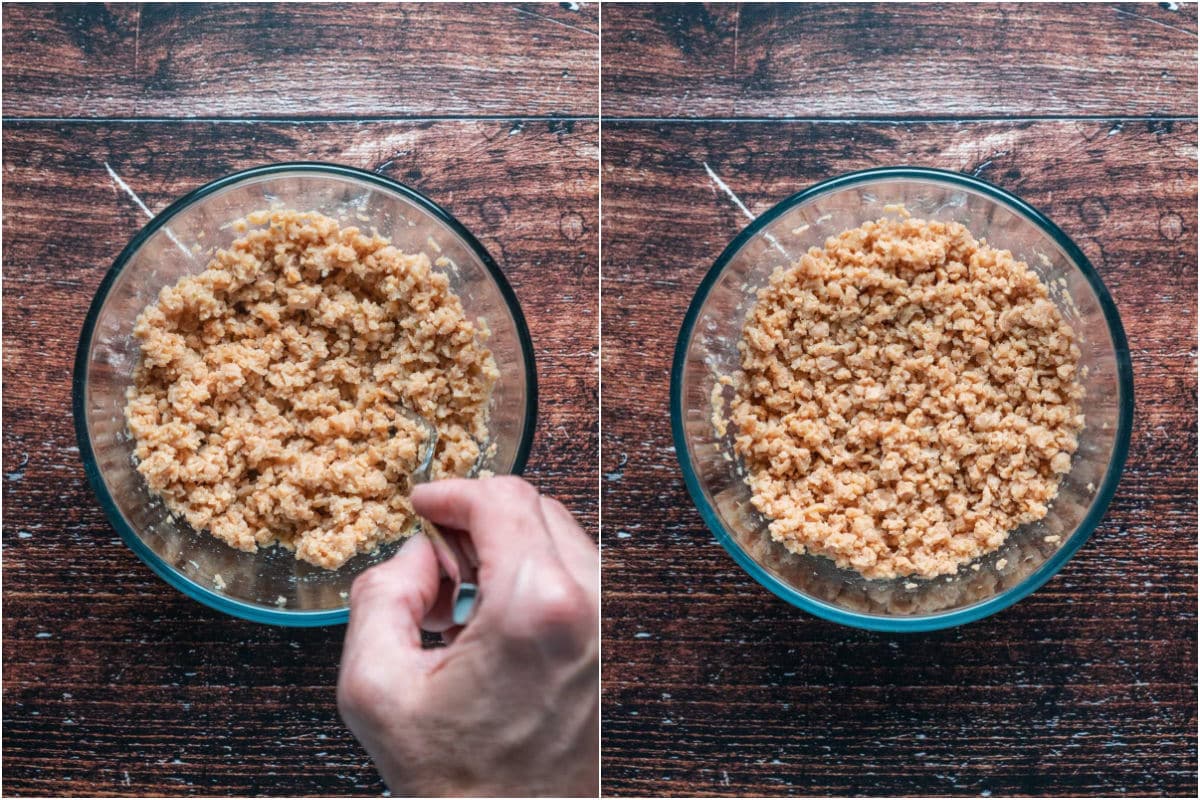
(466, 594)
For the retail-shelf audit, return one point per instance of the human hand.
(510, 706)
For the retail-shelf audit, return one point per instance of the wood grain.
(714, 687)
(301, 61)
(898, 60)
(115, 683)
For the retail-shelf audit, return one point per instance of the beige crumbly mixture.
(264, 406)
(908, 397)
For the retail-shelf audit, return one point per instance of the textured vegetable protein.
(265, 404)
(908, 396)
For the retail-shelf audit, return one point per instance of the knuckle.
(555, 507)
(559, 608)
(358, 692)
(563, 520)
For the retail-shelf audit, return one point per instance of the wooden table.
(113, 682)
(712, 686)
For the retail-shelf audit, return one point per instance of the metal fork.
(466, 596)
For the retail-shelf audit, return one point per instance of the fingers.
(441, 615)
(502, 515)
(389, 601)
(575, 547)
(555, 614)
(540, 570)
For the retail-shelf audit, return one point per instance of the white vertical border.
(600, 394)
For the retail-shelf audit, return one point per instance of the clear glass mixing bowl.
(271, 585)
(707, 348)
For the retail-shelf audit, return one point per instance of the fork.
(466, 596)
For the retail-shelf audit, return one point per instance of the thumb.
(388, 601)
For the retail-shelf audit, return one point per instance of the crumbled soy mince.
(908, 397)
(264, 406)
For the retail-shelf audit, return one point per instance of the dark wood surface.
(309, 61)
(113, 682)
(899, 61)
(712, 686)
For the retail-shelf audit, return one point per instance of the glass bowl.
(271, 585)
(707, 348)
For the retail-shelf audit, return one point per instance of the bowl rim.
(189, 587)
(1052, 565)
